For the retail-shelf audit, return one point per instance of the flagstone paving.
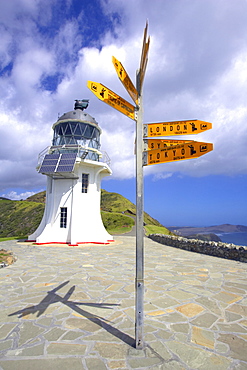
(67, 307)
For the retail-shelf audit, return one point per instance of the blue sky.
(197, 68)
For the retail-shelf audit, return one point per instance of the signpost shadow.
(52, 298)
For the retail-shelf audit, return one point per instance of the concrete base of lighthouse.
(83, 223)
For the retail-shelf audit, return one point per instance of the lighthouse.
(74, 167)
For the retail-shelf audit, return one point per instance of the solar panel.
(68, 155)
(61, 168)
(47, 169)
(53, 163)
(49, 162)
(67, 162)
(52, 156)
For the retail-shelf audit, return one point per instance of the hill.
(21, 218)
(114, 202)
(38, 198)
(205, 237)
(217, 229)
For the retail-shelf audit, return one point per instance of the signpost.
(151, 144)
(176, 128)
(148, 152)
(126, 81)
(139, 281)
(144, 60)
(109, 97)
(192, 149)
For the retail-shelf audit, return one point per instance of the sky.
(197, 69)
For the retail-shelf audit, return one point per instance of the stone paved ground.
(73, 308)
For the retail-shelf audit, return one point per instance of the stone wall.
(216, 249)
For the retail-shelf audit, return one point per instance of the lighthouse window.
(84, 182)
(72, 132)
(63, 217)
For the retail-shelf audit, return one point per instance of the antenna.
(81, 104)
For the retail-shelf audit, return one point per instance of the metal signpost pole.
(135, 113)
(153, 152)
(139, 282)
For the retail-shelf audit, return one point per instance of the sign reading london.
(175, 128)
(192, 149)
(111, 98)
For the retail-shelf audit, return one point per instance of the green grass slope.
(114, 202)
(117, 223)
(21, 218)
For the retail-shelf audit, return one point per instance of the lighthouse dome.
(77, 114)
(77, 128)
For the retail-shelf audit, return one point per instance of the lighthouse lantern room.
(74, 166)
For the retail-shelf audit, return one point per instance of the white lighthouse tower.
(74, 167)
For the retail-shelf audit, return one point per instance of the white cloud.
(14, 196)
(162, 176)
(196, 69)
(31, 66)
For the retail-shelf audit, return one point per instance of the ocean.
(235, 238)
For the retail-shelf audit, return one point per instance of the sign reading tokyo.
(111, 98)
(175, 128)
(192, 149)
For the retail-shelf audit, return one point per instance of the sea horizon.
(237, 238)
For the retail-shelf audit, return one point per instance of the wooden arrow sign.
(125, 79)
(193, 149)
(144, 59)
(112, 99)
(175, 128)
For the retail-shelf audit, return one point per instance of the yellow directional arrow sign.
(189, 150)
(175, 128)
(111, 98)
(125, 79)
(152, 144)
